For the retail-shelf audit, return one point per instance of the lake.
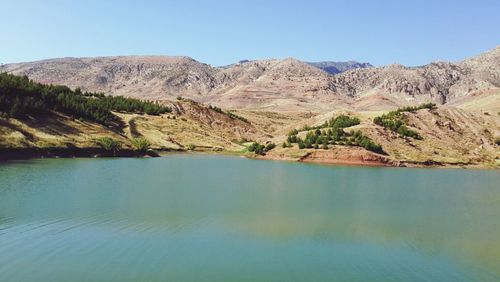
(221, 218)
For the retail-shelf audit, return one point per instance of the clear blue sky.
(410, 32)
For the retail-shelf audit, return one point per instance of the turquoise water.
(215, 218)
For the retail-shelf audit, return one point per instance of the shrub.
(270, 146)
(109, 144)
(256, 148)
(325, 144)
(141, 144)
(301, 144)
(308, 143)
(292, 139)
(261, 149)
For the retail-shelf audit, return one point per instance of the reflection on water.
(218, 218)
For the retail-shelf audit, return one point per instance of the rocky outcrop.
(439, 82)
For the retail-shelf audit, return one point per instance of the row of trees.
(323, 138)
(20, 96)
(228, 113)
(364, 141)
(342, 121)
(397, 122)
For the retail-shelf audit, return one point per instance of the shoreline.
(7, 154)
(10, 154)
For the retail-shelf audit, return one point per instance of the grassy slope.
(207, 131)
(450, 135)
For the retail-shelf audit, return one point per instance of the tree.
(325, 144)
(301, 144)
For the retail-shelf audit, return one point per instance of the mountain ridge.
(277, 83)
(334, 67)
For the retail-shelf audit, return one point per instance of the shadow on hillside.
(133, 129)
(14, 127)
(50, 124)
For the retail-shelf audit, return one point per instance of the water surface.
(215, 218)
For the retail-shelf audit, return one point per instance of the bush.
(256, 148)
(109, 144)
(292, 139)
(190, 147)
(308, 144)
(270, 146)
(325, 144)
(141, 144)
(301, 144)
(260, 149)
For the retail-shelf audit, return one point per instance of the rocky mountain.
(440, 82)
(287, 84)
(339, 67)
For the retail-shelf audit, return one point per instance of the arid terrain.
(272, 97)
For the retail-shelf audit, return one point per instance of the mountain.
(441, 82)
(284, 85)
(339, 67)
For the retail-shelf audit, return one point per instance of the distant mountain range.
(329, 66)
(287, 84)
(338, 67)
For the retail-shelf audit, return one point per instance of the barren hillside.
(440, 82)
(285, 85)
